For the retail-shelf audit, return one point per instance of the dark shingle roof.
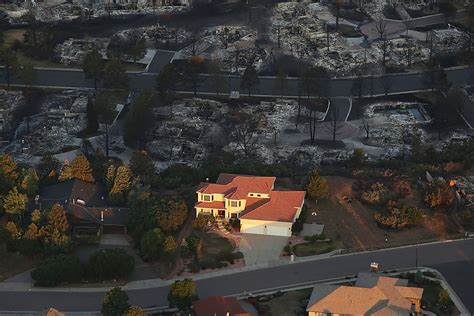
(92, 194)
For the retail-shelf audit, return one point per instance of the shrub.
(297, 226)
(376, 195)
(58, 269)
(438, 193)
(201, 221)
(108, 264)
(400, 216)
(451, 167)
(402, 188)
(317, 187)
(194, 267)
(467, 217)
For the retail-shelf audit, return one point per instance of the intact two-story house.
(253, 200)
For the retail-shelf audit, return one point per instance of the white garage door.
(268, 229)
(247, 229)
(278, 230)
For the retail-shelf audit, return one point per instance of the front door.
(221, 213)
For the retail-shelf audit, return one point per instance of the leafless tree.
(312, 106)
(367, 124)
(245, 136)
(335, 121)
(224, 37)
(384, 50)
(338, 6)
(381, 26)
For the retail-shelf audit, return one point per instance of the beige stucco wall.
(217, 197)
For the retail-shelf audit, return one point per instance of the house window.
(258, 195)
(251, 194)
(239, 204)
(233, 203)
(206, 198)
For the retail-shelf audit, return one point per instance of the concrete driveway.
(258, 249)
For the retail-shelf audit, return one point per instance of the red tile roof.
(220, 205)
(219, 306)
(237, 186)
(281, 206)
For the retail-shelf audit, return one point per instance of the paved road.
(456, 259)
(161, 59)
(342, 87)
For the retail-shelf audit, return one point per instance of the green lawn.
(214, 244)
(316, 248)
(13, 263)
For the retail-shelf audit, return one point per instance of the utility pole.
(416, 257)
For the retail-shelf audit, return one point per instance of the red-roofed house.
(219, 306)
(261, 209)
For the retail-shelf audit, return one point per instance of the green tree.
(191, 72)
(28, 74)
(105, 108)
(317, 187)
(121, 186)
(135, 311)
(30, 182)
(169, 245)
(92, 122)
(9, 60)
(47, 164)
(139, 120)
(56, 237)
(93, 66)
(138, 49)
(66, 171)
(171, 214)
(81, 169)
(58, 269)
(15, 203)
(142, 209)
(249, 79)
(36, 216)
(110, 176)
(115, 303)
(182, 293)
(108, 264)
(142, 166)
(115, 75)
(8, 173)
(151, 245)
(13, 229)
(167, 78)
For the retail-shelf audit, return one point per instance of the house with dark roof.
(253, 200)
(86, 206)
(220, 306)
(372, 295)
